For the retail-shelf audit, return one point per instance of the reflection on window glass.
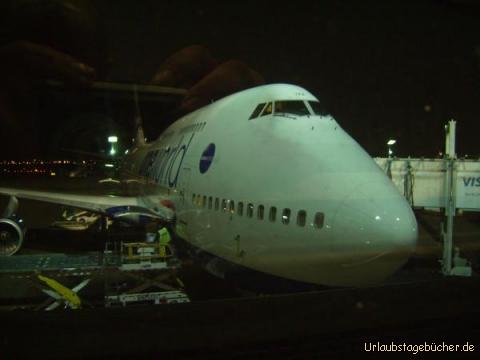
(318, 109)
(250, 210)
(267, 110)
(257, 111)
(216, 203)
(286, 216)
(224, 205)
(209, 202)
(319, 219)
(260, 211)
(273, 214)
(293, 107)
(240, 209)
(301, 218)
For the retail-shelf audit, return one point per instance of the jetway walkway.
(424, 181)
(447, 183)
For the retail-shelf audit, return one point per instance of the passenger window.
(267, 110)
(232, 207)
(240, 209)
(210, 202)
(250, 210)
(301, 218)
(257, 111)
(260, 212)
(204, 201)
(224, 205)
(286, 216)
(216, 203)
(193, 198)
(319, 219)
(273, 214)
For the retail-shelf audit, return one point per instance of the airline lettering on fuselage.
(164, 166)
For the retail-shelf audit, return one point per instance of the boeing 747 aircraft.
(262, 180)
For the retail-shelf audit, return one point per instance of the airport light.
(113, 140)
(390, 143)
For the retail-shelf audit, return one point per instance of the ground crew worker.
(164, 239)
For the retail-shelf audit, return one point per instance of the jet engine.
(12, 233)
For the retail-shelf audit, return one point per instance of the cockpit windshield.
(318, 109)
(288, 108)
(291, 107)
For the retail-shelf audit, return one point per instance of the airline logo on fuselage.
(163, 165)
(207, 158)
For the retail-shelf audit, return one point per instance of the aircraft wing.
(127, 208)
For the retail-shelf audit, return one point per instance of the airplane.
(266, 182)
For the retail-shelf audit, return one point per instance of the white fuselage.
(321, 211)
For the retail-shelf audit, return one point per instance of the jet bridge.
(445, 183)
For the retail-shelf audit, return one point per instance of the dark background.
(396, 69)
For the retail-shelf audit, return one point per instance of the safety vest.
(164, 236)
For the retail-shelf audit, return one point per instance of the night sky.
(384, 69)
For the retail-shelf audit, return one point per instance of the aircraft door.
(184, 182)
(184, 209)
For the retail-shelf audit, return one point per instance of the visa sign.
(471, 181)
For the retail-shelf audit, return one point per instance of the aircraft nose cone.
(373, 221)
